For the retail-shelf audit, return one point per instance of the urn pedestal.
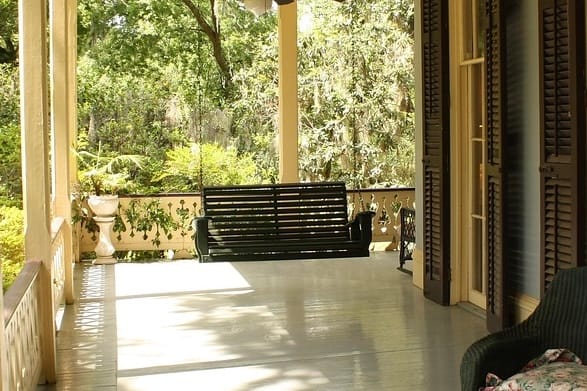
(104, 208)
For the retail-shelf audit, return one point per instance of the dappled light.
(190, 324)
(338, 324)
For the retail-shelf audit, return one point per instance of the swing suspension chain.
(353, 115)
(199, 123)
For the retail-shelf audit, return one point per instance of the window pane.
(467, 30)
(476, 101)
(477, 179)
(477, 255)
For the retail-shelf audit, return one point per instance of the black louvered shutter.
(495, 184)
(562, 138)
(436, 151)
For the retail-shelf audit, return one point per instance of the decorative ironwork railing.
(386, 203)
(164, 221)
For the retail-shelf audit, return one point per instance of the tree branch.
(212, 31)
(8, 55)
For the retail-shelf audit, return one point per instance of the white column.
(35, 163)
(63, 102)
(418, 263)
(288, 92)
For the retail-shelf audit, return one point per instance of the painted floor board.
(336, 324)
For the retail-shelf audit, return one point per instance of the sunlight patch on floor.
(186, 304)
(154, 332)
(176, 277)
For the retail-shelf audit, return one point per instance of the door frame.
(461, 184)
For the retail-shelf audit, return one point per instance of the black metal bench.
(280, 221)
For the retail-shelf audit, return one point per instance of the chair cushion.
(555, 370)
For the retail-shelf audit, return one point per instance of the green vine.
(184, 215)
(186, 218)
(119, 227)
(81, 214)
(132, 216)
(144, 216)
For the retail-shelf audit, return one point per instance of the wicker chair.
(559, 321)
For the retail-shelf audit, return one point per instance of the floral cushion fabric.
(555, 370)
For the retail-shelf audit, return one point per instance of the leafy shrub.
(10, 167)
(11, 243)
(219, 166)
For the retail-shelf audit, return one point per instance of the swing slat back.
(279, 221)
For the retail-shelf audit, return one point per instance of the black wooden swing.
(280, 221)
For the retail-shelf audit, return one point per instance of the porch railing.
(25, 301)
(182, 208)
(22, 330)
(61, 265)
(386, 203)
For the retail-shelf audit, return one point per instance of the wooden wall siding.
(436, 150)
(495, 106)
(562, 138)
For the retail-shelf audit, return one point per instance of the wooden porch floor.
(342, 324)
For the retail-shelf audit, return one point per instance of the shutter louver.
(436, 151)
(562, 138)
(495, 106)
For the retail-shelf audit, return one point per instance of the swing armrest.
(361, 227)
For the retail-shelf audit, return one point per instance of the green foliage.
(106, 174)
(144, 216)
(152, 72)
(81, 214)
(254, 113)
(219, 166)
(357, 108)
(142, 256)
(118, 107)
(10, 166)
(11, 244)
(8, 31)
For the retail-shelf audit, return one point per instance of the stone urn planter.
(104, 208)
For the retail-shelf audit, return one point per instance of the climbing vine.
(144, 216)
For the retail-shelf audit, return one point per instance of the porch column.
(418, 262)
(63, 102)
(32, 24)
(288, 92)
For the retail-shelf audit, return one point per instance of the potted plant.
(101, 189)
(101, 178)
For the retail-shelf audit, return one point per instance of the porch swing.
(278, 221)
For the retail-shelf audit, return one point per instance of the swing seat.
(279, 222)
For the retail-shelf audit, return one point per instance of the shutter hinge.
(548, 171)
